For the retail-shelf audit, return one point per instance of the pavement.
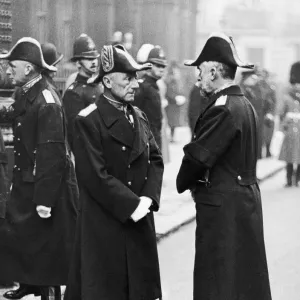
(178, 210)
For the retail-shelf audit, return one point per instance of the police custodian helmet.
(84, 47)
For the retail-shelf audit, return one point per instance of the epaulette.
(141, 80)
(221, 100)
(86, 111)
(71, 87)
(48, 96)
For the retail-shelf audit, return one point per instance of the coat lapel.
(115, 121)
(140, 138)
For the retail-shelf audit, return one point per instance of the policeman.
(147, 97)
(219, 167)
(289, 113)
(119, 170)
(52, 58)
(80, 94)
(42, 210)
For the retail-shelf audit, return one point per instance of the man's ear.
(107, 82)
(28, 69)
(213, 73)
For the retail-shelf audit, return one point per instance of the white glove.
(142, 209)
(180, 100)
(164, 102)
(44, 211)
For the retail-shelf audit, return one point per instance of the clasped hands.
(143, 208)
(43, 211)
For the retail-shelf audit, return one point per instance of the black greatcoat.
(148, 100)
(115, 258)
(33, 250)
(79, 95)
(230, 262)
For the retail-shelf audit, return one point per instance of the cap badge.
(107, 58)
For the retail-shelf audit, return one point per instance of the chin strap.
(86, 71)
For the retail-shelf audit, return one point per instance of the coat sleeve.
(213, 139)
(108, 191)
(4, 181)
(50, 156)
(73, 104)
(152, 187)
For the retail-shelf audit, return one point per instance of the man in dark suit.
(81, 93)
(147, 97)
(119, 169)
(219, 167)
(42, 210)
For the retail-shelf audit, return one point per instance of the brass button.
(146, 178)
(239, 177)
(149, 162)
(84, 85)
(129, 166)
(129, 182)
(94, 96)
(123, 148)
(18, 139)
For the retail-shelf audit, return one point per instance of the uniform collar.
(28, 85)
(36, 89)
(81, 79)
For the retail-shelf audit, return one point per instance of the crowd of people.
(88, 170)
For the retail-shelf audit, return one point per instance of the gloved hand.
(142, 210)
(43, 211)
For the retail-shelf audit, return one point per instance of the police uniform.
(36, 251)
(80, 93)
(117, 162)
(147, 98)
(219, 167)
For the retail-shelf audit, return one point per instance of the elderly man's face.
(17, 72)
(123, 86)
(205, 79)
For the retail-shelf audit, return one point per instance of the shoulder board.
(141, 80)
(48, 96)
(71, 87)
(221, 100)
(85, 112)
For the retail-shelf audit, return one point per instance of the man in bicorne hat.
(81, 93)
(119, 170)
(147, 97)
(219, 168)
(41, 213)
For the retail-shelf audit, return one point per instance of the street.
(282, 230)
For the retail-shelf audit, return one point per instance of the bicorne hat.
(295, 73)
(117, 59)
(51, 56)
(220, 48)
(28, 49)
(84, 47)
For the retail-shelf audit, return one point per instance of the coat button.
(19, 154)
(149, 162)
(123, 148)
(94, 96)
(239, 177)
(15, 151)
(84, 85)
(129, 166)
(19, 124)
(129, 182)
(15, 166)
(18, 139)
(194, 136)
(146, 178)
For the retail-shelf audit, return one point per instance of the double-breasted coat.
(219, 167)
(34, 250)
(289, 113)
(78, 95)
(4, 181)
(148, 99)
(115, 258)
